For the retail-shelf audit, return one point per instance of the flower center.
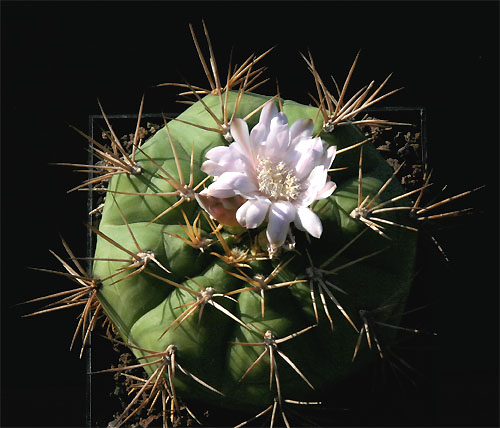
(277, 181)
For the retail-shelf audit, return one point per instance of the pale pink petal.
(239, 131)
(313, 184)
(309, 153)
(230, 184)
(218, 159)
(307, 196)
(224, 159)
(330, 156)
(258, 137)
(212, 168)
(301, 129)
(278, 120)
(277, 141)
(327, 190)
(216, 153)
(307, 220)
(281, 214)
(268, 112)
(258, 134)
(317, 178)
(252, 213)
(277, 130)
(226, 165)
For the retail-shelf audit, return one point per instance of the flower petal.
(301, 129)
(312, 185)
(277, 141)
(281, 214)
(253, 212)
(239, 131)
(327, 190)
(226, 159)
(230, 184)
(258, 137)
(310, 153)
(268, 112)
(278, 120)
(216, 153)
(330, 156)
(307, 220)
(218, 158)
(278, 132)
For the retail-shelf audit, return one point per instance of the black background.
(58, 58)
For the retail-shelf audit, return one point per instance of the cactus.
(235, 316)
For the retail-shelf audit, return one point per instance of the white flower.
(280, 170)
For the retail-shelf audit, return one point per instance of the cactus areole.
(239, 260)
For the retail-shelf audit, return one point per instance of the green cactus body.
(143, 306)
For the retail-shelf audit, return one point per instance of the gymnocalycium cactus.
(246, 249)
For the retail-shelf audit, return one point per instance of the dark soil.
(402, 144)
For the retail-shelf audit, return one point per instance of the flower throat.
(277, 181)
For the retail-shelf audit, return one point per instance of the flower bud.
(221, 209)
